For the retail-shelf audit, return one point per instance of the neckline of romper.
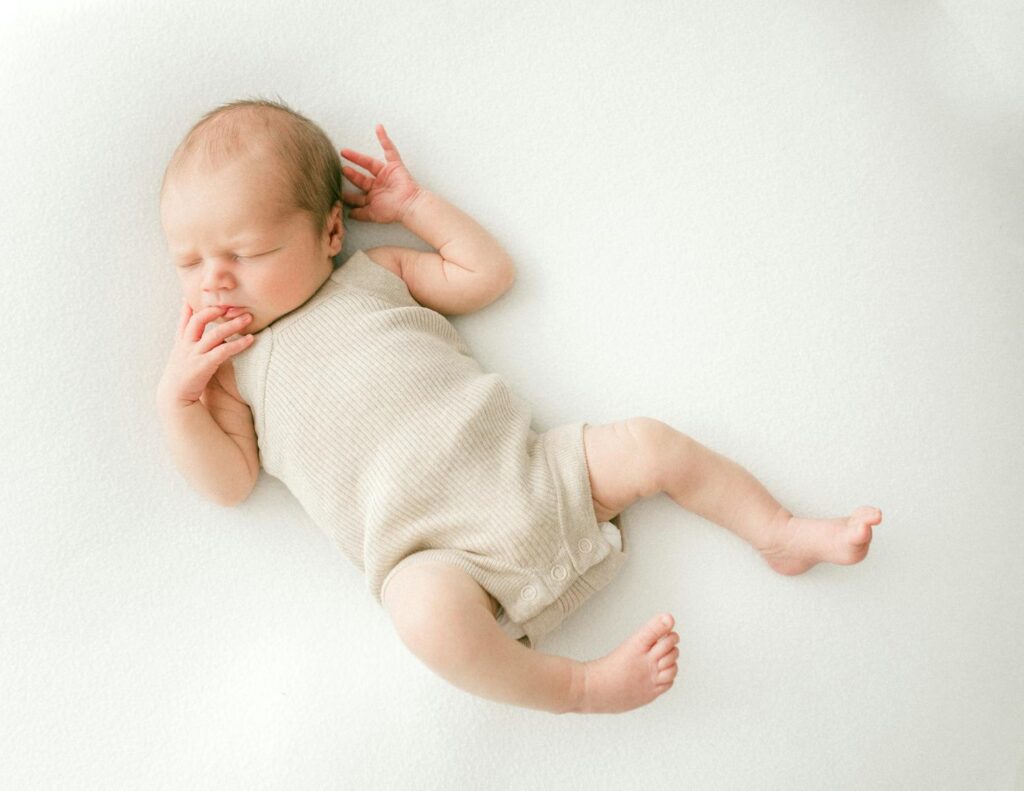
(357, 271)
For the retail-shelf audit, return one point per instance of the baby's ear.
(336, 229)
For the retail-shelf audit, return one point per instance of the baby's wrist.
(173, 406)
(169, 404)
(410, 204)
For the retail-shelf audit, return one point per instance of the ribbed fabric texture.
(371, 410)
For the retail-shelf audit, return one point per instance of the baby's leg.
(640, 457)
(448, 621)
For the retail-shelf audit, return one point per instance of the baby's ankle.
(575, 702)
(778, 530)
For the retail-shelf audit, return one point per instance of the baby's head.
(251, 209)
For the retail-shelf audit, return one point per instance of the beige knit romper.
(370, 409)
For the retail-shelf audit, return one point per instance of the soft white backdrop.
(792, 230)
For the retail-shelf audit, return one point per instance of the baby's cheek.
(251, 326)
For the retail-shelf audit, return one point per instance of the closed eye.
(236, 257)
(257, 255)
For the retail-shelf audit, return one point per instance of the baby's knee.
(661, 447)
(650, 433)
(435, 609)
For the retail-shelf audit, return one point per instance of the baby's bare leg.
(448, 621)
(642, 456)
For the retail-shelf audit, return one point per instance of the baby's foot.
(798, 544)
(633, 674)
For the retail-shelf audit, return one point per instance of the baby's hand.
(196, 357)
(390, 191)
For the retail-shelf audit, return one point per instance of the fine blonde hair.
(300, 155)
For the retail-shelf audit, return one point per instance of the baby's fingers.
(353, 198)
(197, 323)
(220, 353)
(361, 180)
(364, 161)
(218, 332)
(390, 149)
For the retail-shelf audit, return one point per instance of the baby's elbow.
(508, 277)
(235, 498)
(496, 286)
(226, 502)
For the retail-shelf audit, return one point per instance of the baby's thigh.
(428, 600)
(624, 461)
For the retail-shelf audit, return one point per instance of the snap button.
(528, 593)
(586, 545)
(558, 572)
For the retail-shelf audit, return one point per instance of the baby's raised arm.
(213, 444)
(469, 270)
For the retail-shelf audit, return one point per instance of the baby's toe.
(654, 630)
(868, 514)
(664, 645)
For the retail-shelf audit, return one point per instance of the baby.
(477, 534)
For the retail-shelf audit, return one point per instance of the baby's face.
(232, 245)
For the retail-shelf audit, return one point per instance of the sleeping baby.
(476, 533)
